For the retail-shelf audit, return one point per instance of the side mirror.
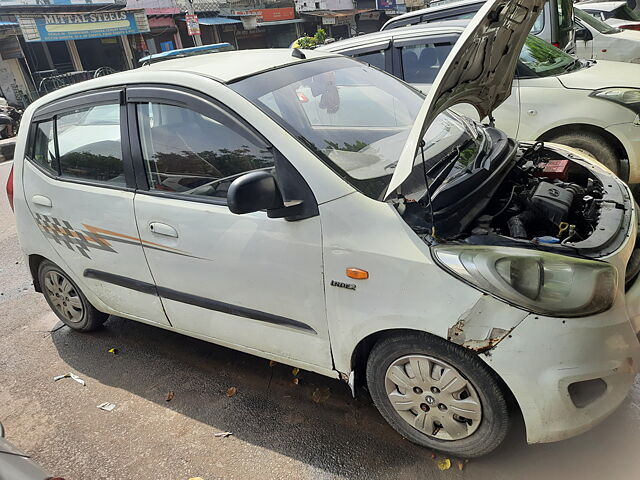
(583, 34)
(257, 191)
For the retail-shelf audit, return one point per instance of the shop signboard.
(79, 26)
(193, 27)
(265, 15)
(386, 5)
(54, 3)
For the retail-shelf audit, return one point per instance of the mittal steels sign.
(79, 26)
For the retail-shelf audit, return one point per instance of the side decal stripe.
(202, 302)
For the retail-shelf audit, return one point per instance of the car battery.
(555, 169)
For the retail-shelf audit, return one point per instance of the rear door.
(79, 187)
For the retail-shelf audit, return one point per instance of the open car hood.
(479, 71)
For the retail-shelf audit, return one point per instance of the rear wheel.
(437, 394)
(594, 145)
(67, 300)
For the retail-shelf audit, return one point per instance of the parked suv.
(555, 23)
(307, 208)
(553, 95)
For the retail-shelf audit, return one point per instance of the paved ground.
(279, 432)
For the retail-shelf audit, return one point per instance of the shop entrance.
(101, 52)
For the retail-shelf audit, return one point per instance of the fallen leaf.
(232, 391)
(222, 434)
(170, 396)
(460, 466)
(295, 371)
(295, 381)
(115, 351)
(320, 395)
(272, 363)
(444, 464)
(196, 478)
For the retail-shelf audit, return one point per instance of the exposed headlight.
(540, 282)
(628, 97)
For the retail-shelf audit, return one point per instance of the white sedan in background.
(600, 41)
(593, 106)
(616, 14)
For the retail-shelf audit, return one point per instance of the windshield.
(356, 119)
(596, 23)
(624, 13)
(544, 59)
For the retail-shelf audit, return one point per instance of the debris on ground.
(170, 396)
(72, 376)
(295, 371)
(196, 478)
(320, 395)
(460, 466)
(433, 455)
(444, 464)
(295, 381)
(115, 351)
(272, 363)
(222, 434)
(231, 391)
(107, 406)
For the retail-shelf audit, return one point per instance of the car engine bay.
(548, 200)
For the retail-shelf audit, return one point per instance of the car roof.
(431, 28)
(604, 6)
(229, 66)
(434, 9)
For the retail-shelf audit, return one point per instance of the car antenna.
(298, 54)
(426, 181)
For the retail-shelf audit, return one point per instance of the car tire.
(468, 385)
(67, 300)
(594, 145)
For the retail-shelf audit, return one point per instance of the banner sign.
(80, 26)
(386, 5)
(54, 3)
(266, 15)
(193, 26)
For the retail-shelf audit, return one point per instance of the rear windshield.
(624, 13)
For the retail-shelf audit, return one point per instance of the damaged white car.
(307, 208)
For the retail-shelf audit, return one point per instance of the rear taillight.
(555, 44)
(10, 188)
(635, 26)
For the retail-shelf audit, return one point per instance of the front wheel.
(594, 145)
(67, 300)
(437, 394)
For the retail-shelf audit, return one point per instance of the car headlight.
(540, 282)
(628, 97)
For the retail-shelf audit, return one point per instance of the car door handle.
(163, 229)
(41, 200)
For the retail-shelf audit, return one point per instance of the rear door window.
(422, 61)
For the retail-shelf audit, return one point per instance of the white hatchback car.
(616, 14)
(307, 208)
(553, 99)
(600, 41)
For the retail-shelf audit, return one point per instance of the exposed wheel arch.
(611, 140)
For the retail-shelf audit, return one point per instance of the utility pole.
(196, 38)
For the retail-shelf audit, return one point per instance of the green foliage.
(311, 42)
(348, 147)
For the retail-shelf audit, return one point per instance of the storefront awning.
(8, 24)
(217, 21)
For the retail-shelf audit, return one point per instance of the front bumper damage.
(572, 373)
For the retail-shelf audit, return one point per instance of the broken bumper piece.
(570, 373)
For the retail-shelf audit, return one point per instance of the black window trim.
(200, 102)
(422, 39)
(51, 111)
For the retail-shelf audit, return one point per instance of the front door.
(78, 186)
(249, 282)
